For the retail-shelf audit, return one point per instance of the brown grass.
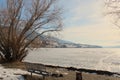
(28, 77)
(18, 65)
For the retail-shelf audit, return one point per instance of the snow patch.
(11, 74)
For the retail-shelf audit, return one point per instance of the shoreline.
(91, 71)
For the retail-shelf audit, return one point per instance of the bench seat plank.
(37, 68)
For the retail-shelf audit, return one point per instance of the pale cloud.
(99, 34)
(87, 24)
(88, 12)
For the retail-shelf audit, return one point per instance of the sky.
(85, 22)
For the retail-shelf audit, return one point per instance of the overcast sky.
(85, 22)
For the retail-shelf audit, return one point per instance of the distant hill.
(53, 42)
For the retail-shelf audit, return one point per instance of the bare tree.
(113, 9)
(19, 19)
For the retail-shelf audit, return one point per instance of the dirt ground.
(71, 75)
(66, 74)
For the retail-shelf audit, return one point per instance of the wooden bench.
(37, 68)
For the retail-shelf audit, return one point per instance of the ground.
(17, 71)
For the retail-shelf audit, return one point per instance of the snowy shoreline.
(11, 74)
(92, 71)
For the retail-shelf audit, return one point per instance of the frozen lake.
(90, 58)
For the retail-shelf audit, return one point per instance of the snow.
(11, 74)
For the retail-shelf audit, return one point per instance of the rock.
(57, 75)
(61, 75)
(1, 78)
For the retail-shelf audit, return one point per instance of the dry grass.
(28, 77)
(18, 65)
(98, 77)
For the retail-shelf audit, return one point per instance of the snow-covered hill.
(53, 42)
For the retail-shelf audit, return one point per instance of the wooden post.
(43, 77)
(78, 76)
(31, 74)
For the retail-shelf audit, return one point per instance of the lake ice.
(90, 58)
